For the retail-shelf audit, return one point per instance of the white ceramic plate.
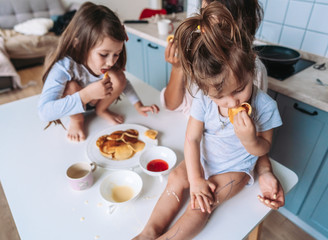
(94, 154)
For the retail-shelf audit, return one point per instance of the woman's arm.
(176, 88)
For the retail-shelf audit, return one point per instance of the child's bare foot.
(76, 129)
(112, 117)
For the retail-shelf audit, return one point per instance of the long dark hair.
(214, 50)
(91, 24)
(248, 14)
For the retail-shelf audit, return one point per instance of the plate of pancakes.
(120, 146)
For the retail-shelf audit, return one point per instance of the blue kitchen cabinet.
(315, 208)
(156, 67)
(135, 56)
(146, 61)
(300, 144)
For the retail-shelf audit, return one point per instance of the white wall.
(125, 9)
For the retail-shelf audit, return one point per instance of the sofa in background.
(23, 50)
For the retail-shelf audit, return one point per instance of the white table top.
(32, 172)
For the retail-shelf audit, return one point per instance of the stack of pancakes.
(120, 145)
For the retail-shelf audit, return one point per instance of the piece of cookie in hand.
(243, 107)
(170, 38)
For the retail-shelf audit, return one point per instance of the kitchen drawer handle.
(151, 46)
(304, 111)
(138, 40)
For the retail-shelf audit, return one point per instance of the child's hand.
(100, 89)
(272, 191)
(144, 109)
(244, 127)
(171, 54)
(201, 192)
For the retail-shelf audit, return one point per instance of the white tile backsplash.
(298, 14)
(315, 43)
(322, 1)
(319, 18)
(292, 37)
(275, 10)
(263, 3)
(271, 32)
(299, 24)
(259, 30)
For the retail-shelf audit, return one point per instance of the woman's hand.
(272, 191)
(201, 193)
(144, 109)
(171, 54)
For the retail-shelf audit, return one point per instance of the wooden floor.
(274, 227)
(30, 76)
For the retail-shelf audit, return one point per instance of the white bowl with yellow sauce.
(120, 187)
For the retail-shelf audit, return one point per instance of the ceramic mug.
(165, 26)
(80, 175)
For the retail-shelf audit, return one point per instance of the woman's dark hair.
(247, 14)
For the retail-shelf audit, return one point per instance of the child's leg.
(119, 82)
(167, 205)
(228, 185)
(193, 220)
(76, 131)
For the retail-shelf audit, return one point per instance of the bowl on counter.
(157, 161)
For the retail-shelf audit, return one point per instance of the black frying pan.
(276, 56)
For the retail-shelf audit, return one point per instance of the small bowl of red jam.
(157, 161)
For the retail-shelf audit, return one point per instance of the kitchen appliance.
(281, 62)
(277, 55)
(281, 73)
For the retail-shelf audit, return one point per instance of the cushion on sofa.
(35, 26)
(18, 11)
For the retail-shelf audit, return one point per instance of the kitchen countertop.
(149, 31)
(301, 86)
